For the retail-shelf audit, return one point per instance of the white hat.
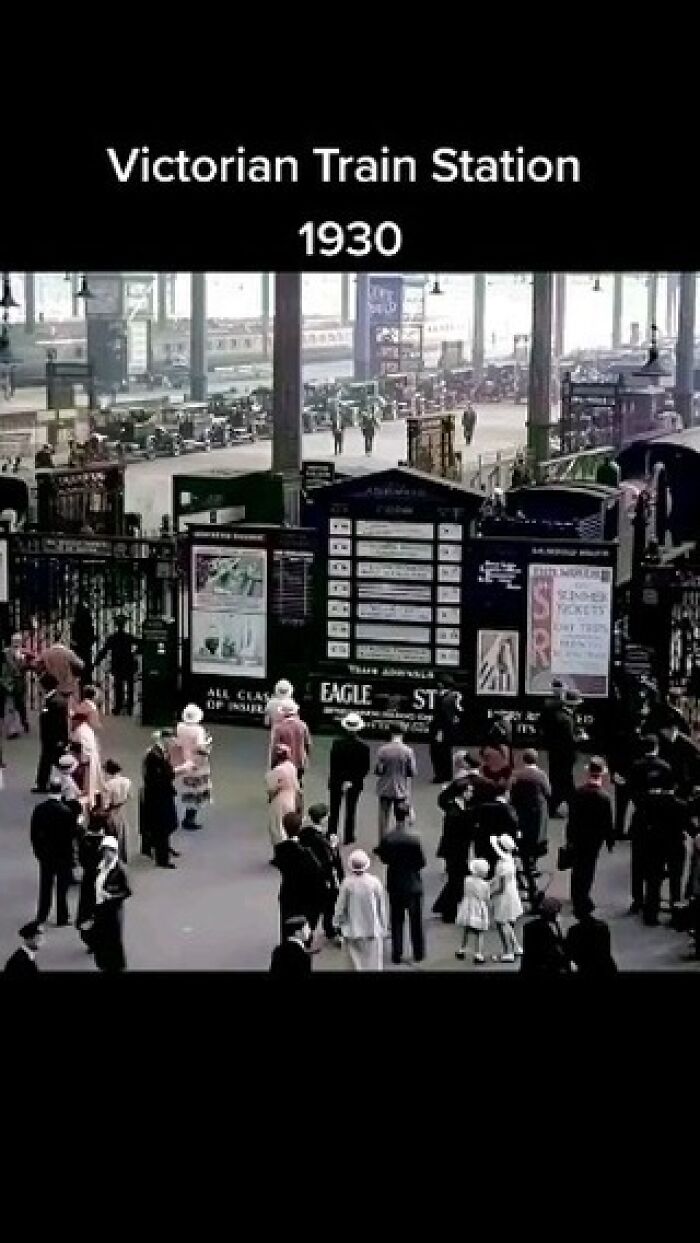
(353, 722)
(479, 867)
(359, 861)
(192, 715)
(289, 708)
(109, 843)
(284, 688)
(68, 763)
(506, 842)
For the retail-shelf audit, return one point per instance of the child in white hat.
(473, 910)
(507, 907)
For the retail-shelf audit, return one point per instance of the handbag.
(564, 858)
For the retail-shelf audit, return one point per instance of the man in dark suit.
(291, 959)
(666, 823)
(325, 850)
(648, 774)
(53, 833)
(588, 944)
(53, 731)
(544, 951)
(444, 730)
(349, 765)
(302, 889)
(22, 964)
(402, 851)
(591, 823)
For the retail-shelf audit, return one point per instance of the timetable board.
(393, 592)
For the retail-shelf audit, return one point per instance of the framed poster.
(497, 663)
(228, 629)
(569, 619)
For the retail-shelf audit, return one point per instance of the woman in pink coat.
(282, 787)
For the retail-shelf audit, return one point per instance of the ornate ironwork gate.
(51, 576)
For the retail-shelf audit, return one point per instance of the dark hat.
(549, 908)
(557, 684)
(294, 924)
(30, 930)
(48, 682)
(318, 812)
(596, 766)
(585, 906)
(572, 698)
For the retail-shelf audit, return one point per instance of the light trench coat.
(90, 755)
(361, 916)
(282, 787)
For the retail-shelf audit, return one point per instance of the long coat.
(106, 937)
(282, 786)
(158, 806)
(529, 794)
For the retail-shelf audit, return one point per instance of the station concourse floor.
(218, 910)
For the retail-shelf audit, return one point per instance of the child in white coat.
(473, 910)
(507, 907)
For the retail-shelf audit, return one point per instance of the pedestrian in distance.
(83, 636)
(529, 796)
(283, 792)
(395, 769)
(646, 776)
(667, 823)
(506, 905)
(473, 910)
(53, 832)
(89, 853)
(302, 889)
(402, 852)
(458, 806)
(121, 647)
(361, 915)
(290, 731)
(61, 663)
(111, 892)
(444, 729)
(590, 826)
(84, 735)
(338, 429)
(115, 796)
(349, 766)
(588, 944)
(13, 682)
(53, 731)
(544, 949)
(22, 964)
(291, 959)
(195, 743)
(558, 727)
(313, 835)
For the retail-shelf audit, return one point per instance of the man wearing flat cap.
(349, 766)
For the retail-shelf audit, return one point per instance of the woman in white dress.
(361, 915)
(507, 907)
(115, 795)
(84, 736)
(282, 785)
(473, 910)
(195, 745)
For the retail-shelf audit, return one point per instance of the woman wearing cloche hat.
(361, 915)
(195, 743)
(507, 907)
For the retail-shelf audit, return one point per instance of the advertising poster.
(497, 662)
(568, 628)
(229, 612)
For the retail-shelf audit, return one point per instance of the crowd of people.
(498, 813)
(81, 830)
(497, 820)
